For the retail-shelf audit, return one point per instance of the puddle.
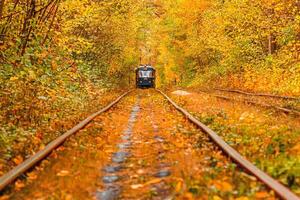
(120, 156)
(110, 179)
(112, 190)
(162, 173)
(111, 193)
(112, 169)
(124, 145)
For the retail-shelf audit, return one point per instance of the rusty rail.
(9, 177)
(278, 188)
(258, 94)
(291, 111)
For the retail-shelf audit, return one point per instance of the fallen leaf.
(136, 186)
(63, 173)
(13, 78)
(18, 160)
(153, 181)
(226, 187)
(32, 176)
(19, 184)
(42, 146)
(223, 186)
(188, 196)
(261, 195)
(242, 198)
(178, 187)
(216, 197)
(4, 197)
(68, 197)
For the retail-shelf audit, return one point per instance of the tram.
(145, 76)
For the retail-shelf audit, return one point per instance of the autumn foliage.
(58, 56)
(245, 44)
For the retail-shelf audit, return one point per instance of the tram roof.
(145, 67)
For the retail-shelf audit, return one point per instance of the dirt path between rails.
(141, 149)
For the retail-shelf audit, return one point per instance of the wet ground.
(141, 149)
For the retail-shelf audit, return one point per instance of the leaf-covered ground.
(268, 138)
(141, 149)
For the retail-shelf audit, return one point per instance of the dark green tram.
(145, 76)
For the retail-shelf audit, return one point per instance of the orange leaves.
(18, 160)
(263, 195)
(295, 150)
(242, 198)
(179, 186)
(223, 186)
(32, 175)
(4, 197)
(19, 184)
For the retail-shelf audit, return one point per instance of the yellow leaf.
(136, 186)
(216, 197)
(242, 198)
(13, 78)
(226, 187)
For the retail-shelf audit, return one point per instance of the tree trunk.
(27, 27)
(271, 44)
(51, 23)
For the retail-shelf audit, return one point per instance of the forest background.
(57, 56)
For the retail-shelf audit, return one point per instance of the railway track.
(258, 94)
(280, 108)
(154, 143)
(249, 101)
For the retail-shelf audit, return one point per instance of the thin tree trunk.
(51, 23)
(271, 44)
(5, 27)
(27, 27)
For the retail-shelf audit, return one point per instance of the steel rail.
(286, 110)
(258, 94)
(282, 191)
(258, 104)
(10, 176)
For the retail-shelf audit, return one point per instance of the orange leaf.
(18, 160)
(32, 176)
(63, 173)
(262, 195)
(19, 184)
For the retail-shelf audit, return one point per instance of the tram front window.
(145, 74)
